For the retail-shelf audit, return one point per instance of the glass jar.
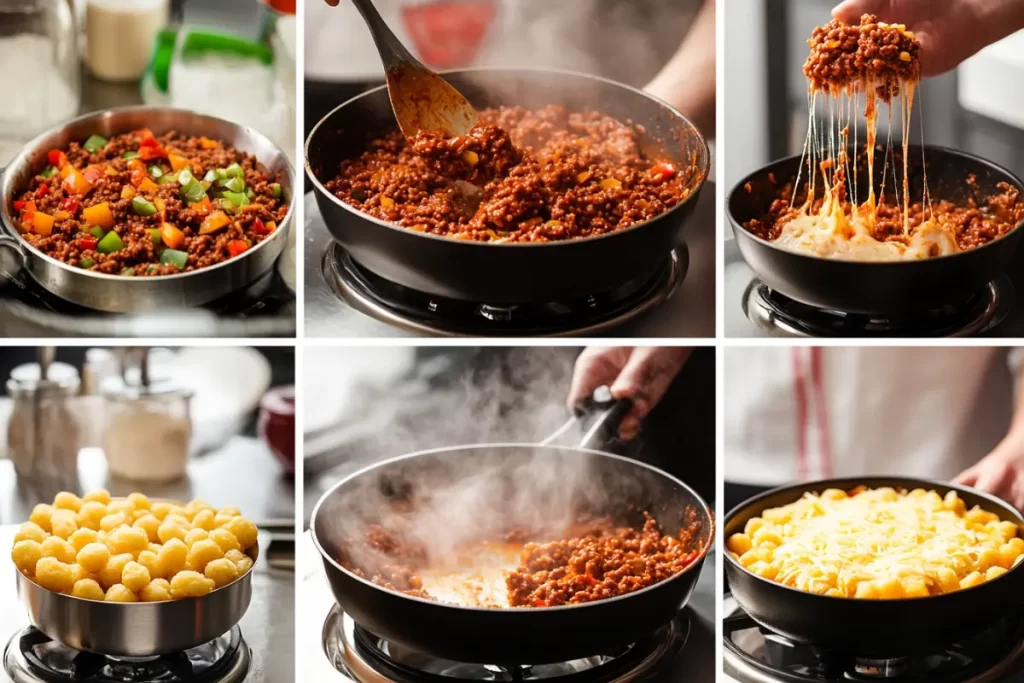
(147, 431)
(40, 70)
(43, 433)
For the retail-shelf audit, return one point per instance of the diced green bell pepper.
(174, 257)
(110, 243)
(87, 262)
(95, 143)
(130, 154)
(96, 231)
(143, 206)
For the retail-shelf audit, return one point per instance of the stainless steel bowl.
(117, 294)
(138, 629)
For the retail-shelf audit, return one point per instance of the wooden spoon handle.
(391, 50)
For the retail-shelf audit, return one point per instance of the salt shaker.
(148, 429)
(43, 434)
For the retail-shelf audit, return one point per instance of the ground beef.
(115, 181)
(843, 56)
(518, 176)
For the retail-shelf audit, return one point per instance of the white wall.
(745, 98)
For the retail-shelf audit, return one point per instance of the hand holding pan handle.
(609, 413)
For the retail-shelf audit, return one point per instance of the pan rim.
(862, 481)
(704, 166)
(708, 537)
(33, 145)
(739, 229)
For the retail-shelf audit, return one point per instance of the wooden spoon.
(420, 98)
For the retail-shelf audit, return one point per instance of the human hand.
(641, 373)
(1001, 472)
(949, 31)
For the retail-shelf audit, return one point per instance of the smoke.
(445, 501)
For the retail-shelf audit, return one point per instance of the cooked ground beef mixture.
(873, 52)
(599, 560)
(139, 204)
(518, 176)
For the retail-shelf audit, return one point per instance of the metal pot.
(117, 294)
(137, 629)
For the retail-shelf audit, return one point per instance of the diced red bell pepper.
(86, 242)
(149, 153)
(70, 205)
(236, 247)
(93, 173)
(663, 171)
(259, 227)
(56, 158)
(43, 190)
(19, 204)
(144, 134)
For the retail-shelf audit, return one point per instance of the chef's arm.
(1001, 472)
(688, 81)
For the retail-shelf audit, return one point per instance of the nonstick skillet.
(891, 288)
(538, 477)
(872, 628)
(516, 272)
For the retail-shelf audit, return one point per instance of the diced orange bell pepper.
(93, 173)
(76, 182)
(236, 247)
(178, 162)
(207, 143)
(271, 226)
(160, 204)
(42, 223)
(217, 220)
(99, 215)
(139, 172)
(66, 170)
(171, 235)
(148, 185)
(127, 192)
(203, 208)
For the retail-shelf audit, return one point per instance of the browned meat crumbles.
(599, 560)
(140, 204)
(518, 176)
(884, 55)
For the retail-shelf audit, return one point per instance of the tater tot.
(125, 507)
(225, 539)
(63, 523)
(160, 510)
(169, 530)
(88, 589)
(190, 584)
(194, 535)
(30, 531)
(244, 565)
(172, 557)
(150, 525)
(83, 537)
(739, 543)
(111, 572)
(93, 557)
(120, 593)
(204, 519)
(135, 576)
(54, 575)
(101, 496)
(25, 554)
(41, 515)
(67, 501)
(193, 508)
(91, 514)
(222, 572)
(202, 553)
(155, 592)
(150, 560)
(112, 521)
(60, 549)
(244, 530)
(128, 539)
(139, 501)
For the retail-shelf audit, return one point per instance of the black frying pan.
(506, 273)
(898, 288)
(586, 481)
(872, 628)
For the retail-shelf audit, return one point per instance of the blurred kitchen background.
(234, 59)
(363, 405)
(977, 108)
(625, 40)
(215, 423)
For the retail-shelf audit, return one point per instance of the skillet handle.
(15, 245)
(610, 412)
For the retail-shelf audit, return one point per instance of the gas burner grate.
(753, 654)
(32, 656)
(426, 314)
(774, 312)
(368, 658)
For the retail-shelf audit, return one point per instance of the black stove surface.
(32, 656)
(976, 315)
(753, 654)
(526, 319)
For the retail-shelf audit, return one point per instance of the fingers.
(332, 3)
(996, 478)
(597, 365)
(967, 478)
(849, 11)
(646, 377)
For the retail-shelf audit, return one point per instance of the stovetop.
(323, 634)
(266, 308)
(267, 629)
(689, 311)
(752, 310)
(753, 655)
